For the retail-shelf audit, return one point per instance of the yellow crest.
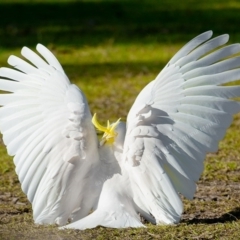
(109, 133)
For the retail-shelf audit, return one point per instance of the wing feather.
(176, 120)
(25, 67)
(214, 68)
(46, 125)
(203, 49)
(195, 42)
(50, 58)
(36, 60)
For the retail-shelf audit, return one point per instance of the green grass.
(112, 49)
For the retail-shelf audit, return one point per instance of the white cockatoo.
(138, 168)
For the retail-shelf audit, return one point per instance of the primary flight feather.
(138, 168)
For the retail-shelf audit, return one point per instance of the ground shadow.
(231, 216)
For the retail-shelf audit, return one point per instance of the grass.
(112, 49)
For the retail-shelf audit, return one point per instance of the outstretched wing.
(46, 125)
(176, 120)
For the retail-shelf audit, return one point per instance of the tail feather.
(116, 208)
(106, 219)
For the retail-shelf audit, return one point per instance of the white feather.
(32, 119)
(190, 113)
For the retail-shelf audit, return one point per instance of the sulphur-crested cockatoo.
(138, 168)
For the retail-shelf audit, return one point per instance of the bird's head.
(109, 132)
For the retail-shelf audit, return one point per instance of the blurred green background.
(80, 23)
